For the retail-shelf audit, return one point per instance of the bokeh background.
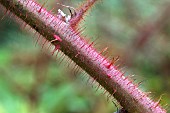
(31, 81)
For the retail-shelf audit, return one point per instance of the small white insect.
(60, 12)
(61, 15)
(68, 18)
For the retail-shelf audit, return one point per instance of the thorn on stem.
(113, 61)
(39, 11)
(56, 38)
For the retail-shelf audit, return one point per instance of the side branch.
(83, 54)
(80, 12)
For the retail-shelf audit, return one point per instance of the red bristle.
(56, 47)
(57, 38)
(112, 62)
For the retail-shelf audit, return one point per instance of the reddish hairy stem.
(80, 12)
(84, 55)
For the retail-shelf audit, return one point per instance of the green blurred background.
(31, 81)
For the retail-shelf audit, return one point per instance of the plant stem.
(83, 54)
(80, 12)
